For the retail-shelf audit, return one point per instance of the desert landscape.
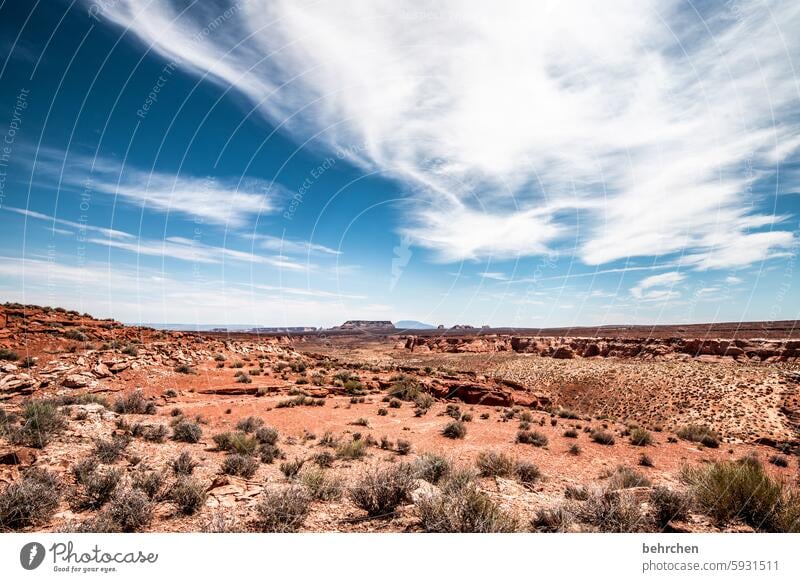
(366, 428)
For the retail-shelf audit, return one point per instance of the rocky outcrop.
(361, 324)
(762, 350)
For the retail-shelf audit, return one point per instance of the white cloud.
(658, 287)
(494, 276)
(79, 226)
(731, 280)
(225, 202)
(502, 120)
(185, 249)
(284, 245)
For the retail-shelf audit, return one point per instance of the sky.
(275, 162)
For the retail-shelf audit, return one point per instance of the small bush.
(8, 355)
(404, 388)
(236, 442)
(353, 450)
(463, 508)
(527, 472)
(669, 505)
(320, 484)
(130, 509)
(383, 412)
(455, 430)
(699, 433)
(531, 437)
(250, 424)
(360, 422)
(625, 478)
(268, 453)
(244, 379)
(645, 460)
(640, 437)
(283, 510)
(188, 495)
(730, 490)
(30, 500)
(240, 465)
(395, 403)
(291, 469)
(98, 484)
(109, 451)
(134, 403)
(184, 464)
(187, 431)
(571, 433)
(324, 459)
(453, 411)
(557, 519)
(149, 482)
(602, 437)
(494, 464)
(614, 512)
(184, 369)
(430, 467)
(155, 433)
(267, 435)
(379, 491)
(42, 420)
(403, 447)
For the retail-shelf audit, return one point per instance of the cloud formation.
(641, 129)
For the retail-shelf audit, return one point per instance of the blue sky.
(299, 163)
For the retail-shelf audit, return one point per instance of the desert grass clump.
(403, 447)
(404, 388)
(185, 369)
(98, 484)
(291, 469)
(742, 490)
(324, 459)
(320, 484)
(379, 491)
(240, 465)
(494, 464)
(627, 478)
(250, 424)
(553, 520)
(130, 509)
(527, 472)
(109, 451)
(603, 437)
(640, 437)
(30, 500)
(236, 442)
(187, 431)
(154, 433)
(669, 504)
(267, 435)
(645, 460)
(283, 510)
(431, 467)
(184, 464)
(42, 420)
(531, 437)
(188, 495)
(267, 453)
(134, 403)
(455, 430)
(461, 507)
(351, 450)
(613, 511)
(699, 433)
(8, 355)
(150, 482)
(571, 433)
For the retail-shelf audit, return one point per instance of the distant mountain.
(411, 324)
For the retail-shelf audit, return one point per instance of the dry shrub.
(283, 510)
(30, 500)
(379, 491)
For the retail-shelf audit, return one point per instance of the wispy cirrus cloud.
(214, 200)
(78, 226)
(635, 130)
